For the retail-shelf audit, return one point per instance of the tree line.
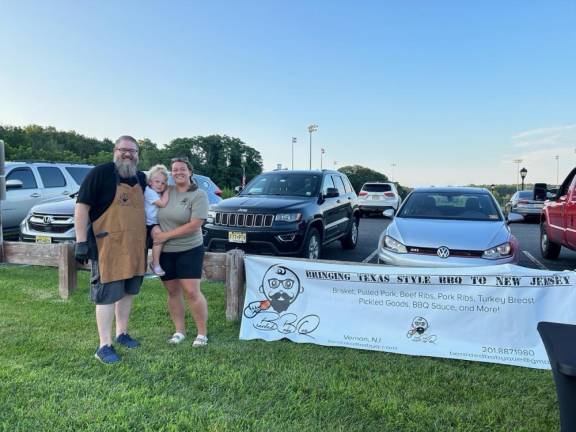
(220, 157)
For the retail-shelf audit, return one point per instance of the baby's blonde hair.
(157, 169)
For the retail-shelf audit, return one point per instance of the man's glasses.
(126, 150)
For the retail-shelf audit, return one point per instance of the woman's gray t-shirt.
(183, 206)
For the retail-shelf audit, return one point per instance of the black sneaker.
(107, 354)
(127, 341)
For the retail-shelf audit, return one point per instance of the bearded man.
(110, 228)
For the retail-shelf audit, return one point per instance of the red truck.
(558, 220)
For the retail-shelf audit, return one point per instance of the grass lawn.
(49, 379)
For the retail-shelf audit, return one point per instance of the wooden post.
(235, 284)
(66, 270)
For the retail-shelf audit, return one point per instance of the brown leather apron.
(121, 235)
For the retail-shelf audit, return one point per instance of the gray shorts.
(111, 292)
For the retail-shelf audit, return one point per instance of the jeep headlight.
(500, 251)
(211, 216)
(394, 245)
(288, 217)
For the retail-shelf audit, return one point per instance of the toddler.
(155, 197)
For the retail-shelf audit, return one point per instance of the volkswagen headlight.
(288, 217)
(501, 251)
(394, 245)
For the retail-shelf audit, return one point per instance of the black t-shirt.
(99, 188)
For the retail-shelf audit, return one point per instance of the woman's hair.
(157, 169)
(184, 160)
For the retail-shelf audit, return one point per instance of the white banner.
(486, 314)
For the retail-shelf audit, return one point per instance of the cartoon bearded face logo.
(419, 325)
(281, 286)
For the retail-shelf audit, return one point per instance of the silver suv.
(30, 183)
(53, 222)
(375, 197)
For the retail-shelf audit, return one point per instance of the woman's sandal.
(176, 338)
(200, 341)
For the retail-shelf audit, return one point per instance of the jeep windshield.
(284, 184)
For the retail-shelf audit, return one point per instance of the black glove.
(81, 252)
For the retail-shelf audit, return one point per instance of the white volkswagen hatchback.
(449, 227)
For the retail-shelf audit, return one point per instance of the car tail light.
(218, 192)
(389, 194)
(363, 193)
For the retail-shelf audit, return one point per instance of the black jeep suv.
(286, 213)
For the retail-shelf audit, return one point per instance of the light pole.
(557, 168)
(293, 142)
(523, 173)
(322, 151)
(311, 128)
(517, 162)
(393, 165)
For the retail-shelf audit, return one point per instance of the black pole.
(310, 165)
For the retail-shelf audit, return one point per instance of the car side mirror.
(14, 184)
(389, 213)
(238, 189)
(331, 193)
(514, 218)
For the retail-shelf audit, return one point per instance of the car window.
(347, 185)
(374, 187)
(525, 195)
(450, 205)
(52, 177)
(25, 175)
(339, 184)
(78, 173)
(328, 183)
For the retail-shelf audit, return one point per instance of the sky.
(426, 92)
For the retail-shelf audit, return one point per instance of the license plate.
(43, 239)
(237, 237)
(376, 197)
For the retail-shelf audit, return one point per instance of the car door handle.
(65, 193)
(337, 201)
(35, 195)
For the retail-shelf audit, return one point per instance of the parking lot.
(528, 235)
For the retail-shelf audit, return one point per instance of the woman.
(183, 251)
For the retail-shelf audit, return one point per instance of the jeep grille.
(244, 220)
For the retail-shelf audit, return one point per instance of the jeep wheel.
(313, 245)
(548, 248)
(351, 238)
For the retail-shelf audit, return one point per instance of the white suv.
(375, 197)
(30, 183)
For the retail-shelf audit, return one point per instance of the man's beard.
(126, 168)
(279, 302)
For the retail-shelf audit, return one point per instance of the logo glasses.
(275, 283)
